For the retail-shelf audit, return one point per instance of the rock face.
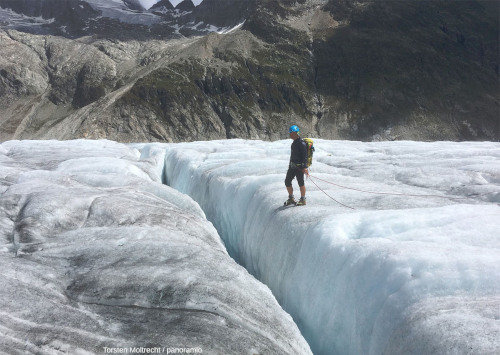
(186, 5)
(424, 70)
(133, 4)
(339, 69)
(166, 4)
(224, 13)
(96, 253)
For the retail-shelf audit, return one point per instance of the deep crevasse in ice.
(398, 274)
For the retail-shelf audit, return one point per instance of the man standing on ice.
(297, 167)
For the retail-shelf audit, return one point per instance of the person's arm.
(303, 152)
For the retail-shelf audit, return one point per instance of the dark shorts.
(292, 173)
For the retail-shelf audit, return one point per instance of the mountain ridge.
(340, 69)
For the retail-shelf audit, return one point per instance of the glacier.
(397, 251)
(98, 256)
(113, 245)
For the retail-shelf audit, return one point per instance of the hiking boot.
(302, 202)
(290, 201)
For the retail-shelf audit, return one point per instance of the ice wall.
(396, 274)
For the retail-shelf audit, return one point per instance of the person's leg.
(290, 174)
(303, 191)
(302, 186)
(300, 180)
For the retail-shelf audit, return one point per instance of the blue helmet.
(294, 128)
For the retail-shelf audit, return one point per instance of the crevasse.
(397, 274)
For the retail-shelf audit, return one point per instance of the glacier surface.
(397, 251)
(98, 256)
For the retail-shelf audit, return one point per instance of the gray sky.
(148, 3)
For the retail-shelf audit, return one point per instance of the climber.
(297, 167)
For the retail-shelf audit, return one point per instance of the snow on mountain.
(396, 251)
(410, 272)
(181, 20)
(97, 254)
(17, 19)
(124, 11)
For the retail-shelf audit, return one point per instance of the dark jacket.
(298, 156)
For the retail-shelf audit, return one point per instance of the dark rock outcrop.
(223, 13)
(424, 70)
(162, 4)
(185, 5)
(134, 5)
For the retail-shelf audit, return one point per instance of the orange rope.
(387, 193)
(340, 203)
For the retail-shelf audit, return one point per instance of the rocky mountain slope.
(339, 68)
